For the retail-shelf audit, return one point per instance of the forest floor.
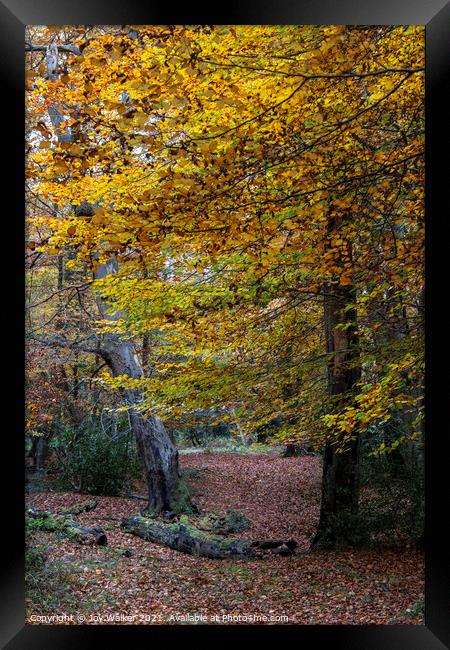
(280, 496)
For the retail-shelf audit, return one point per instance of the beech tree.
(257, 192)
(159, 454)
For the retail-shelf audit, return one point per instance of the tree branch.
(59, 341)
(74, 49)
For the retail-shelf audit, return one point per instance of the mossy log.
(68, 526)
(94, 535)
(188, 539)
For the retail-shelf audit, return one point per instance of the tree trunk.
(157, 451)
(39, 455)
(339, 503)
(292, 450)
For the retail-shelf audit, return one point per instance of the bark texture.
(158, 453)
(67, 525)
(191, 540)
(340, 489)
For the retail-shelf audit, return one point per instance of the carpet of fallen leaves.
(280, 496)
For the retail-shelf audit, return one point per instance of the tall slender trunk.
(421, 400)
(340, 489)
(289, 390)
(60, 271)
(38, 452)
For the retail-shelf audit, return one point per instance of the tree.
(159, 454)
(340, 469)
(252, 184)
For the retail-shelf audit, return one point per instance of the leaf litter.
(132, 581)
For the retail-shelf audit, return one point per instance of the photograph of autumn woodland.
(224, 324)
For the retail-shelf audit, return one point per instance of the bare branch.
(82, 345)
(54, 293)
(74, 49)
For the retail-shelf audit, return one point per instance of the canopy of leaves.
(216, 158)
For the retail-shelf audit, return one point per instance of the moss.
(48, 523)
(204, 536)
(184, 525)
(417, 609)
(150, 513)
(343, 530)
(208, 521)
(233, 522)
(72, 533)
(183, 502)
(183, 535)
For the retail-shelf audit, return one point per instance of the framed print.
(231, 225)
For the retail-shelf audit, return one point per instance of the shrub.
(392, 500)
(93, 461)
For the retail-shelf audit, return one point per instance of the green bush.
(93, 461)
(392, 498)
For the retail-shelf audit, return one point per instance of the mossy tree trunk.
(188, 539)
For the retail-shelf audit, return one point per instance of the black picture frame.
(435, 14)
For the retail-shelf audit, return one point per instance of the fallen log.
(186, 538)
(94, 535)
(68, 526)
